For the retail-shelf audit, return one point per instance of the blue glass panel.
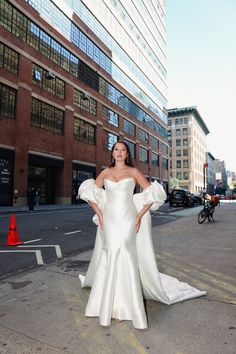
(90, 47)
(96, 54)
(83, 42)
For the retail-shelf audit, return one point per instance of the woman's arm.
(139, 216)
(144, 183)
(98, 211)
(99, 183)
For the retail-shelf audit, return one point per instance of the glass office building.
(92, 72)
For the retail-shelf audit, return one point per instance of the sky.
(201, 68)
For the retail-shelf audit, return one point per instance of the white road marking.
(38, 239)
(57, 248)
(72, 232)
(38, 254)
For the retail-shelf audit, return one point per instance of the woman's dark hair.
(128, 160)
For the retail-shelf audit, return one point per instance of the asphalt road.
(51, 235)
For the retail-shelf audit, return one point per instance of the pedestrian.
(123, 267)
(37, 197)
(31, 199)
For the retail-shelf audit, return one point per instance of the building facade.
(221, 185)
(231, 179)
(187, 139)
(210, 174)
(75, 77)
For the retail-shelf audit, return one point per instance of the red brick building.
(58, 114)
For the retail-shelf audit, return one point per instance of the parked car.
(181, 197)
(197, 198)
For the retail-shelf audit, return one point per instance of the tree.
(174, 183)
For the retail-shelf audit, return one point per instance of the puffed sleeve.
(88, 191)
(155, 194)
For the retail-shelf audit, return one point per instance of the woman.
(123, 268)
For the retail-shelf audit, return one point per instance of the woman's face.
(120, 152)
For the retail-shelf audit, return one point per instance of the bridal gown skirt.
(123, 268)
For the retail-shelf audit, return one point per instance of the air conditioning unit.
(50, 75)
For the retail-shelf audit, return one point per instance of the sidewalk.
(43, 311)
(25, 208)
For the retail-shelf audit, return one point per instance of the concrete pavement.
(43, 311)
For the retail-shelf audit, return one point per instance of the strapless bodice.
(119, 191)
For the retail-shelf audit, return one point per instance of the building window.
(176, 121)
(128, 127)
(33, 32)
(185, 120)
(143, 135)
(45, 44)
(84, 131)
(110, 116)
(89, 48)
(89, 76)
(185, 152)
(179, 175)
(178, 163)
(164, 163)
(178, 153)
(185, 131)
(155, 159)
(46, 116)
(154, 142)
(9, 59)
(178, 142)
(169, 122)
(48, 81)
(185, 163)
(117, 97)
(178, 132)
(111, 140)
(163, 148)
(185, 142)
(185, 175)
(143, 154)
(132, 148)
(86, 103)
(6, 15)
(65, 59)
(19, 22)
(7, 101)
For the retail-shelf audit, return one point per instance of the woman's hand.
(137, 223)
(100, 218)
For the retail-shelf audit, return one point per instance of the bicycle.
(208, 210)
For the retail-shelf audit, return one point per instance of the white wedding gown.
(123, 267)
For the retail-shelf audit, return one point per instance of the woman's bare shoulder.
(106, 172)
(135, 171)
(100, 178)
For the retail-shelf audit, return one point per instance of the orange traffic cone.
(13, 238)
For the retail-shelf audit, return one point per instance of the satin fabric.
(123, 268)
